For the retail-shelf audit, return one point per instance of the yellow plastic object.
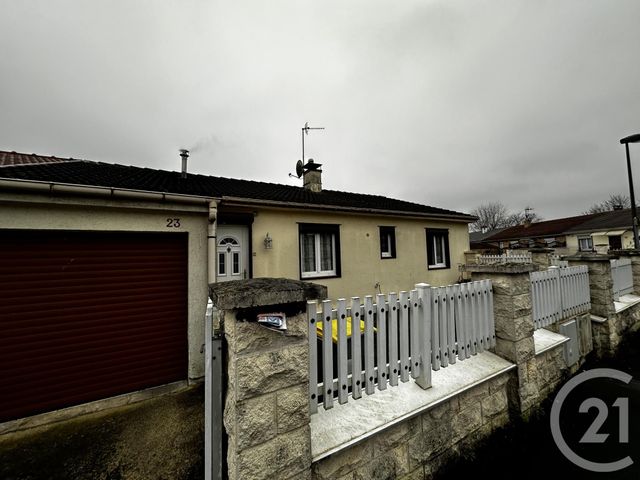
(334, 329)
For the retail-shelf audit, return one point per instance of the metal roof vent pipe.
(184, 154)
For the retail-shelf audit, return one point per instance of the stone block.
(429, 443)
(283, 456)
(344, 461)
(494, 404)
(389, 466)
(292, 408)
(415, 474)
(438, 412)
(497, 383)
(500, 420)
(255, 421)
(517, 352)
(250, 337)
(266, 372)
(465, 422)
(473, 395)
(396, 435)
(514, 328)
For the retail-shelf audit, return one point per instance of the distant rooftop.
(25, 167)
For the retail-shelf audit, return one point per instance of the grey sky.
(447, 103)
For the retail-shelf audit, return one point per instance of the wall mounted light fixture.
(268, 242)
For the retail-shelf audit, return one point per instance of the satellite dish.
(299, 168)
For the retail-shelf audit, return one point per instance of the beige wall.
(361, 264)
(43, 212)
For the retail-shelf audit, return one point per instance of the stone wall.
(419, 446)
(608, 334)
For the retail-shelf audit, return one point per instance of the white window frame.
(442, 238)
(317, 252)
(590, 239)
(389, 252)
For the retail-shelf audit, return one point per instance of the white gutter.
(54, 187)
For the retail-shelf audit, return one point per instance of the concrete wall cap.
(263, 291)
(503, 268)
(590, 257)
(541, 250)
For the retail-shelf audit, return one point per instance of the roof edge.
(249, 202)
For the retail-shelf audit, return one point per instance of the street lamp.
(626, 141)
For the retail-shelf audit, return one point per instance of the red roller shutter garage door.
(89, 315)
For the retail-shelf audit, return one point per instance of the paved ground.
(160, 438)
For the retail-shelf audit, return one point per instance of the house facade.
(105, 268)
(599, 232)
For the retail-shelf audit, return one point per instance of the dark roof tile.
(84, 172)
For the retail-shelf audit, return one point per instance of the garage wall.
(42, 212)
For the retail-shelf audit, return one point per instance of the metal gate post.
(212, 399)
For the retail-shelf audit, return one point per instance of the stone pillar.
(470, 257)
(266, 413)
(600, 281)
(634, 255)
(540, 257)
(514, 324)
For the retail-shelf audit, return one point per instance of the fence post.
(514, 325)
(540, 257)
(424, 307)
(266, 413)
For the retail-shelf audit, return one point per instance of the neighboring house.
(105, 267)
(478, 241)
(606, 231)
(599, 232)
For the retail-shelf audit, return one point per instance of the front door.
(232, 258)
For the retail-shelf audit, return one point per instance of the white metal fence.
(360, 347)
(504, 258)
(559, 293)
(622, 275)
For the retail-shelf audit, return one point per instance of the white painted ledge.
(626, 301)
(544, 340)
(344, 425)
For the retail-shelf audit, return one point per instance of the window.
(319, 250)
(585, 244)
(387, 242)
(437, 248)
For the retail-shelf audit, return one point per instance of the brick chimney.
(312, 176)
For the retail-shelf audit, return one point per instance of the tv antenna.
(300, 164)
(305, 131)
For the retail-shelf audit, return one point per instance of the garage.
(89, 315)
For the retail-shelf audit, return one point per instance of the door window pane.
(236, 263)
(221, 263)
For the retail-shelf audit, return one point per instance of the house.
(606, 231)
(105, 267)
(478, 243)
(598, 232)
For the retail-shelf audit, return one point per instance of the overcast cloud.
(447, 103)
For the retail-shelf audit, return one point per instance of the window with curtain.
(438, 248)
(319, 250)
